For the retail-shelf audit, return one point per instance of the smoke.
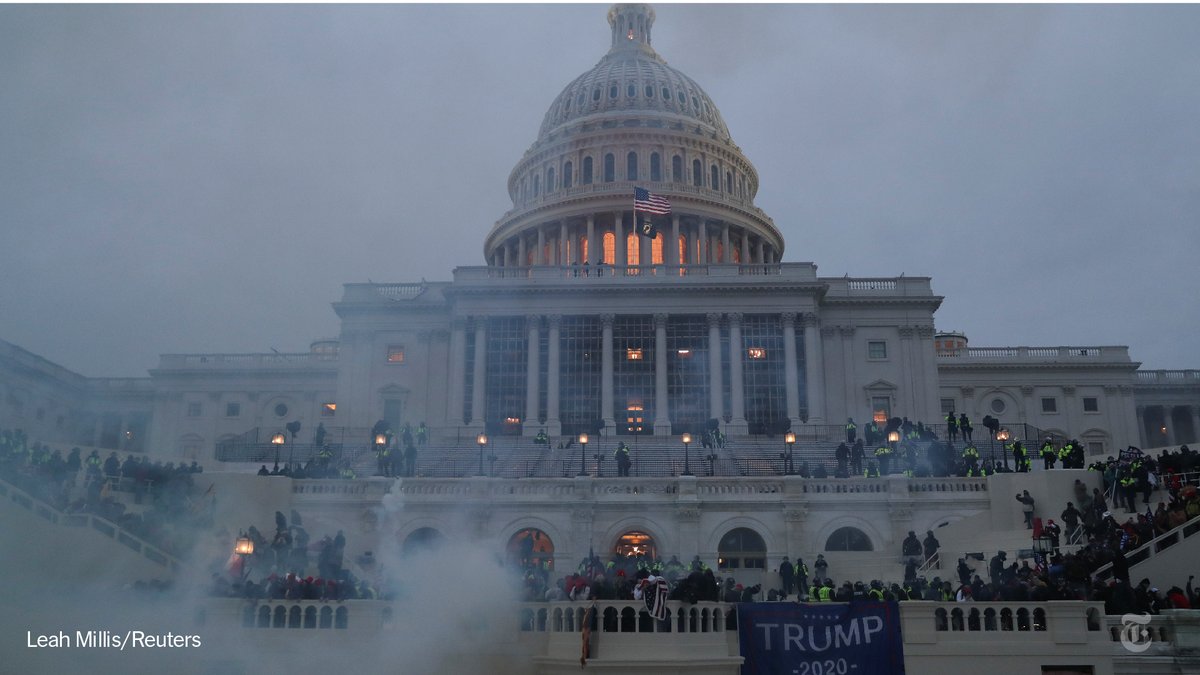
(456, 608)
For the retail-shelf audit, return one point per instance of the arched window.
(550, 179)
(848, 539)
(612, 90)
(423, 539)
(741, 548)
(610, 248)
(631, 90)
(677, 169)
(666, 94)
(567, 175)
(715, 176)
(631, 166)
(537, 185)
(531, 549)
(683, 257)
(728, 182)
(656, 250)
(655, 166)
(579, 100)
(587, 170)
(633, 544)
(610, 168)
(697, 173)
(649, 91)
(596, 94)
(633, 252)
(583, 248)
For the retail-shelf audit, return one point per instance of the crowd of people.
(174, 509)
(287, 569)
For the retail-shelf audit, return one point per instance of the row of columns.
(662, 424)
(1166, 433)
(701, 244)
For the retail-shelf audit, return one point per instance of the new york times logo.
(1135, 637)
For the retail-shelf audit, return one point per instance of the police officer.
(851, 430)
(951, 426)
(1049, 454)
(971, 457)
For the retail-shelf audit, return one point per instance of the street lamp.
(381, 441)
(243, 547)
(1001, 436)
(789, 439)
(277, 440)
(481, 439)
(893, 438)
(687, 441)
(583, 441)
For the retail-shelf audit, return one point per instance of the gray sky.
(204, 178)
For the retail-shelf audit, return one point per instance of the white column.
(553, 425)
(619, 252)
(478, 382)
(1141, 424)
(522, 254)
(592, 255)
(726, 253)
(702, 237)
(737, 398)
(758, 252)
(671, 250)
(790, 373)
(539, 255)
(814, 361)
(458, 371)
(564, 253)
(531, 424)
(715, 399)
(1168, 422)
(606, 373)
(745, 248)
(662, 416)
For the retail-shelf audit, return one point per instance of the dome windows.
(655, 167)
(682, 99)
(714, 179)
(567, 176)
(610, 169)
(596, 94)
(649, 91)
(587, 171)
(612, 91)
(631, 91)
(550, 179)
(697, 173)
(631, 166)
(666, 94)
(677, 169)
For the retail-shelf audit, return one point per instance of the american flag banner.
(646, 202)
(655, 596)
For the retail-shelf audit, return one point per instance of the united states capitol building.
(577, 324)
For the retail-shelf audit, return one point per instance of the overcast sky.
(204, 178)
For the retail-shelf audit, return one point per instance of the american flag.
(655, 595)
(646, 202)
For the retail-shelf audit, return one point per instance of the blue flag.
(857, 638)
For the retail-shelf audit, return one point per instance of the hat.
(738, 587)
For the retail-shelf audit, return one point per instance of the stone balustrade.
(1035, 354)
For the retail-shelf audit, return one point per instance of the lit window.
(881, 404)
(633, 354)
(395, 354)
(1049, 405)
(876, 349)
(1091, 405)
(328, 409)
(684, 353)
(233, 409)
(193, 409)
(512, 420)
(756, 353)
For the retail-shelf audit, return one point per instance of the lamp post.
(583, 441)
(278, 440)
(893, 439)
(1001, 436)
(481, 439)
(244, 547)
(381, 441)
(687, 441)
(789, 439)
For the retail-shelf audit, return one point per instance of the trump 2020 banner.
(857, 638)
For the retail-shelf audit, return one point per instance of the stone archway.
(531, 547)
(634, 543)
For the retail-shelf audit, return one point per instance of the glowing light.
(756, 353)
(633, 354)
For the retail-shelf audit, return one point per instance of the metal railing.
(1152, 548)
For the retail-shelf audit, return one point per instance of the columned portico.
(606, 373)
(479, 385)
(791, 383)
(532, 424)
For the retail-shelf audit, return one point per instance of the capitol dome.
(632, 121)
